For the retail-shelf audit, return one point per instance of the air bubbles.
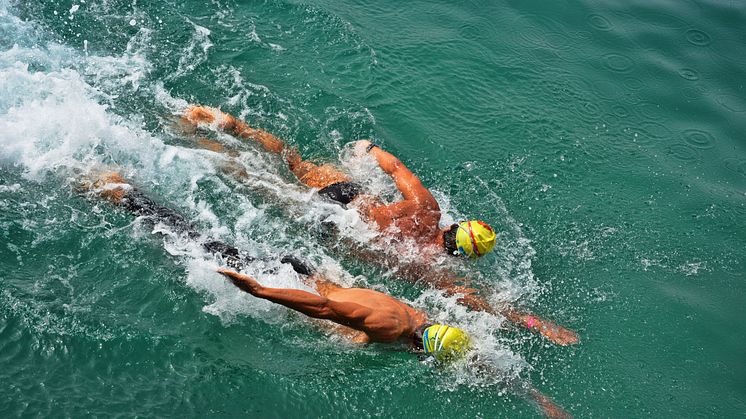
(618, 62)
(599, 22)
(698, 37)
(699, 139)
(133, 22)
(689, 74)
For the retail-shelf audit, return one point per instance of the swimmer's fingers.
(360, 148)
(243, 282)
(231, 274)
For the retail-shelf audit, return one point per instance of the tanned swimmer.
(416, 217)
(367, 316)
(362, 315)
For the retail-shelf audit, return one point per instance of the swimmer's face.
(449, 240)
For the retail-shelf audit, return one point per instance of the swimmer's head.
(469, 238)
(445, 343)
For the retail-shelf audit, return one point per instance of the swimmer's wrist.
(371, 146)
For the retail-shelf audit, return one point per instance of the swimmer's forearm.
(550, 330)
(311, 305)
(547, 405)
(203, 114)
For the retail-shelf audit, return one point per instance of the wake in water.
(65, 114)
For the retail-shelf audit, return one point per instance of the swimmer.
(366, 316)
(114, 188)
(416, 217)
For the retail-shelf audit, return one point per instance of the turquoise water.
(603, 140)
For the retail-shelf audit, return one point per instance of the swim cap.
(475, 238)
(445, 342)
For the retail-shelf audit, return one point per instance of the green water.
(603, 139)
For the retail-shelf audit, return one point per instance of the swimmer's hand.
(361, 147)
(546, 328)
(199, 115)
(244, 282)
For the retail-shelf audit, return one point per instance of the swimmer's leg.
(308, 173)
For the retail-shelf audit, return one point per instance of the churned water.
(604, 140)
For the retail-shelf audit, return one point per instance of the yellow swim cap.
(474, 238)
(444, 342)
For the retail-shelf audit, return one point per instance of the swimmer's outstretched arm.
(196, 115)
(447, 281)
(532, 322)
(204, 115)
(341, 312)
(546, 328)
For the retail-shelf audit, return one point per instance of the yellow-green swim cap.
(474, 238)
(445, 342)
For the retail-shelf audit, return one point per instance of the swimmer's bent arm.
(312, 305)
(407, 182)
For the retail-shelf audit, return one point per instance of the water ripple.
(689, 74)
(698, 37)
(599, 22)
(699, 138)
(684, 152)
(618, 62)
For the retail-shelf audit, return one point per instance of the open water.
(604, 140)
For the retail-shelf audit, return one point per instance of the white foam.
(10, 188)
(195, 53)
